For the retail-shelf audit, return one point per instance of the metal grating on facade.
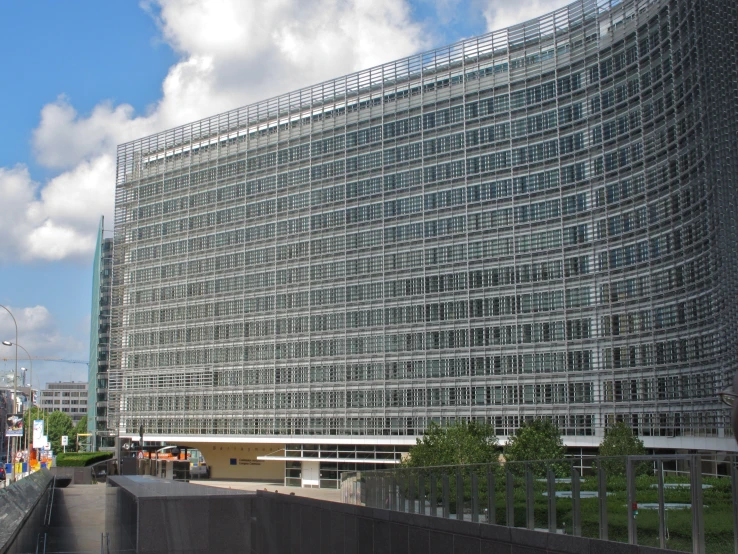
(535, 222)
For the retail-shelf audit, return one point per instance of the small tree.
(58, 424)
(534, 440)
(620, 441)
(458, 444)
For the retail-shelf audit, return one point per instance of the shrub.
(534, 441)
(619, 442)
(458, 444)
(81, 459)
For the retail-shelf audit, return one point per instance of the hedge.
(80, 459)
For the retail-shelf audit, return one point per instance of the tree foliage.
(461, 443)
(620, 441)
(58, 424)
(81, 427)
(537, 439)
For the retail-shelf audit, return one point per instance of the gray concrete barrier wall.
(156, 516)
(150, 515)
(22, 506)
(78, 475)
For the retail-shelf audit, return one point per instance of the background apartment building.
(68, 397)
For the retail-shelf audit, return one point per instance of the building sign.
(39, 441)
(243, 462)
(15, 426)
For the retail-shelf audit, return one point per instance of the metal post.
(459, 495)
(734, 480)
(401, 493)
(552, 501)
(27, 432)
(510, 498)
(632, 503)
(529, 505)
(445, 493)
(384, 483)
(698, 523)
(576, 506)
(433, 495)
(491, 505)
(662, 511)
(421, 493)
(474, 498)
(602, 497)
(411, 492)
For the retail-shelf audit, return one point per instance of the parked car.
(199, 469)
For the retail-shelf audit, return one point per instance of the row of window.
(697, 423)
(576, 424)
(631, 390)
(621, 256)
(669, 352)
(536, 302)
(625, 222)
(630, 288)
(507, 364)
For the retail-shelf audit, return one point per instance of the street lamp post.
(30, 362)
(15, 377)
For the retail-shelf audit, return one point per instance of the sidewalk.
(332, 495)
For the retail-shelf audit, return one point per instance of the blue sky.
(84, 76)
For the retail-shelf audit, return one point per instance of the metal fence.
(681, 502)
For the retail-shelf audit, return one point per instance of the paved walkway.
(77, 520)
(333, 495)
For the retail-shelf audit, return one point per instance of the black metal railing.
(681, 502)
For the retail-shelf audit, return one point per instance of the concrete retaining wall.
(145, 514)
(22, 506)
(78, 475)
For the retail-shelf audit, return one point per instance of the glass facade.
(534, 222)
(97, 393)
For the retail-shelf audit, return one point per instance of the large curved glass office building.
(536, 222)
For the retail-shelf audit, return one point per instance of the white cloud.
(17, 192)
(505, 13)
(41, 335)
(83, 137)
(233, 52)
(38, 332)
(58, 221)
(237, 52)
